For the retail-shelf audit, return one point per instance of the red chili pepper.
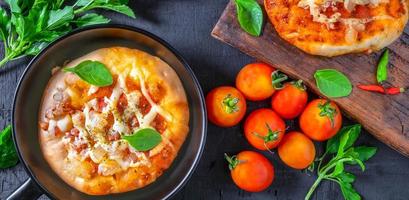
(395, 90)
(372, 88)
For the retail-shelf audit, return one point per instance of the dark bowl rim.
(150, 35)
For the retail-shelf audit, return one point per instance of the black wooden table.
(186, 24)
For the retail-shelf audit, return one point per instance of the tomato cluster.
(265, 128)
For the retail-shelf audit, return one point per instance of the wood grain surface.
(186, 25)
(386, 117)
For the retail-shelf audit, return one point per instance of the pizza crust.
(173, 101)
(295, 25)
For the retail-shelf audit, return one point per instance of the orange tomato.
(255, 81)
(290, 101)
(264, 129)
(321, 119)
(251, 171)
(226, 106)
(296, 150)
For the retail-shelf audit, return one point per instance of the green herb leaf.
(353, 132)
(8, 155)
(332, 83)
(250, 16)
(92, 72)
(4, 22)
(365, 153)
(349, 192)
(91, 19)
(346, 177)
(35, 48)
(124, 9)
(60, 17)
(14, 7)
(382, 71)
(339, 168)
(144, 139)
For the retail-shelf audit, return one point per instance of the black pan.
(34, 80)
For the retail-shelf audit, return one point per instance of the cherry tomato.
(255, 81)
(226, 106)
(251, 171)
(321, 119)
(264, 129)
(290, 101)
(296, 150)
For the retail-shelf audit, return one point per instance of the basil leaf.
(349, 192)
(92, 72)
(91, 19)
(8, 155)
(339, 168)
(250, 16)
(353, 131)
(14, 7)
(60, 17)
(332, 83)
(342, 142)
(144, 139)
(35, 48)
(83, 2)
(382, 71)
(124, 9)
(346, 177)
(4, 22)
(365, 153)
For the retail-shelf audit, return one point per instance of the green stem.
(323, 175)
(313, 187)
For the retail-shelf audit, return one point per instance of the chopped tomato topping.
(122, 103)
(131, 84)
(159, 123)
(114, 136)
(44, 125)
(144, 105)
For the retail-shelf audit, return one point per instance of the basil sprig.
(250, 16)
(332, 83)
(343, 153)
(32, 24)
(8, 155)
(92, 72)
(382, 71)
(144, 139)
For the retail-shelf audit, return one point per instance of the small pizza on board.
(82, 126)
(336, 27)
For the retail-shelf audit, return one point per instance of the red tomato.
(264, 129)
(290, 101)
(226, 106)
(255, 81)
(296, 150)
(321, 119)
(251, 171)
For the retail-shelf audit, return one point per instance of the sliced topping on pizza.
(354, 15)
(114, 126)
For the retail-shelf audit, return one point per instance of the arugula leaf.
(8, 155)
(92, 72)
(60, 17)
(144, 139)
(250, 16)
(91, 19)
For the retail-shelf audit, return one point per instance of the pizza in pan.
(335, 27)
(82, 126)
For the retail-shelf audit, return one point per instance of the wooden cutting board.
(386, 117)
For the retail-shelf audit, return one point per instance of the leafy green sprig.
(8, 155)
(31, 24)
(343, 153)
